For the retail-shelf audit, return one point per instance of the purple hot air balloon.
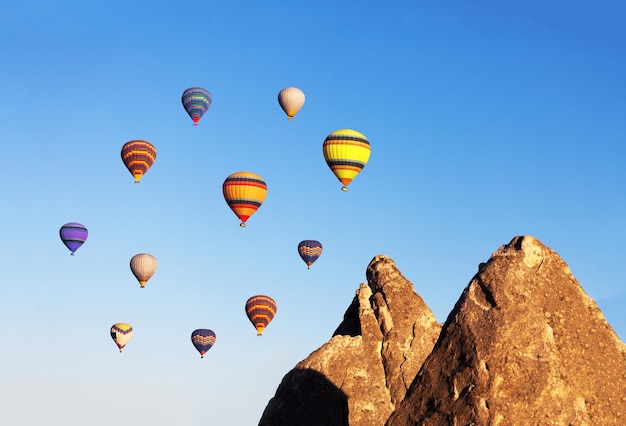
(203, 340)
(73, 235)
(309, 251)
(196, 101)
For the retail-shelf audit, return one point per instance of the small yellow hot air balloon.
(244, 193)
(121, 334)
(291, 100)
(143, 267)
(346, 152)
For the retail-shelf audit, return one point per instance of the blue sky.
(486, 121)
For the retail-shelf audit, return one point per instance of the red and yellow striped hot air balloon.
(346, 152)
(138, 156)
(244, 192)
(260, 311)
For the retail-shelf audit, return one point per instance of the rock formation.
(523, 345)
(358, 376)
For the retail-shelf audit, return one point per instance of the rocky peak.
(523, 345)
(359, 375)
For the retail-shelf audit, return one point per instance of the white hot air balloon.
(121, 334)
(143, 266)
(291, 100)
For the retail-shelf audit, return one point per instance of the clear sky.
(486, 119)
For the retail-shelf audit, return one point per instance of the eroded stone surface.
(368, 364)
(523, 345)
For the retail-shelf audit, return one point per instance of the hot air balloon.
(203, 340)
(73, 235)
(121, 334)
(138, 156)
(291, 100)
(260, 310)
(196, 101)
(244, 192)
(143, 266)
(346, 152)
(309, 251)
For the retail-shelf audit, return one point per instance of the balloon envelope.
(121, 334)
(244, 193)
(143, 266)
(73, 235)
(260, 311)
(291, 100)
(203, 340)
(309, 251)
(346, 152)
(138, 156)
(196, 101)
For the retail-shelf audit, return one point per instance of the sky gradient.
(486, 120)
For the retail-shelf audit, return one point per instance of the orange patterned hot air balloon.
(138, 156)
(244, 192)
(260, 311)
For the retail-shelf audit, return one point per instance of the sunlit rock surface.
(366, 367)
(523, 345)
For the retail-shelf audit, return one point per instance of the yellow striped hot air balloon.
(244, 192)
(346, 152)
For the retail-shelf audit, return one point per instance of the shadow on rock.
(306, 398)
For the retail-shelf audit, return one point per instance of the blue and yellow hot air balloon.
(196, 101)
(121, 334)
(203, 340)
(244, 193)
(73, 235)
(260, 311)
(138, 156)
(346, 152)
(309, 251)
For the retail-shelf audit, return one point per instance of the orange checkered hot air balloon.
(244, 192)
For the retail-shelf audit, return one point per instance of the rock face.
(523, 345)
(365, 369)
